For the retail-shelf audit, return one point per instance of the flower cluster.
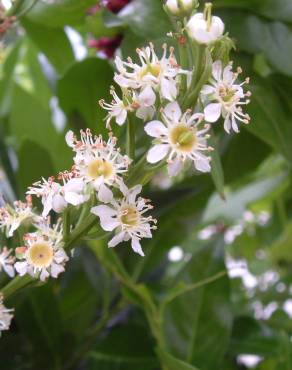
(177, 101)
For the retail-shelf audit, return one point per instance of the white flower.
(118, 109)
(205, 28)
(126, 216)
(178, 138)
(5, 316)
(152, 75)
(56, 196)
(225, 97)
(12, 217)
(43, 254)
(7, 261)
(98, 163)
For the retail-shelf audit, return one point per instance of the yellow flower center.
(153, 69)
(130, 216)
(41, 254)
(99, 167)
(183, 137)
(226, 93)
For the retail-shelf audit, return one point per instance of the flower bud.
(172, 7)
(205, 28)
(180, 7)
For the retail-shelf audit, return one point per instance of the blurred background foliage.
(51, 81)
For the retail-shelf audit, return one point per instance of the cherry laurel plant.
(177, 98)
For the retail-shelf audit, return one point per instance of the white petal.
(203, 164)
(207, 90)
(168, 89)
(173, 111)
(104, 211)
(21, 267)
(56, 270)
(74, 198)
(59, 203)
(147, 97)
(104, 194)
(75, 185)
(9, 270)
(44, 274)
(48, 204)
(227, 124)
(157, 153)
(133, 192)
(69, 138)
(217, 70)
(217, 27)
(145, 113)
(137, 246)
(117, 239)
(121, 117)
(155, 129)
(212, 112)
(174, 167)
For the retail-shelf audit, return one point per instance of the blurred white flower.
(5, 316)
(126, 216)
(204, 28)
(43, 254)
(7, 261)
(178, 138)
(98, 163)
(223, 96)
(11, 217)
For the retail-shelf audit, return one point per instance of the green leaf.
(279, 10)
(53, 42)
(38, 315)
(172, 363)
(60, 13)
(256, 35)
(127, 347)
(146, 18)
(197, 325)
(79, 91)
(270, 121)
(38, 126)
(31, 152)
(264, 184)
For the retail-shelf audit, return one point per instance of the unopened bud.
(205, 28)
(172, 7)
(180, 7)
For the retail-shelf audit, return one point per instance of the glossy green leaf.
(146, 18)
(80, 90)
(60, 13)
(53, 42)
(31, 152)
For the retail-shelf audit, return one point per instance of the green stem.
(16, 284)
(183, 58)
(131, 136)
(193, 93)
